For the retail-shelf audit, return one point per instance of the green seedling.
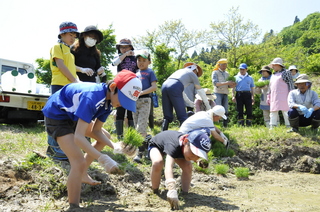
(261, 84)
(242, 173)
(221, 169)
(231, 78)
(132, 137)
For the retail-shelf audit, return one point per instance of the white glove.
(172, 195)
(87, 71)
(204, 98)
(187, 100)
(224, 138)
(122, 148)
(109, 165)
(100, 70)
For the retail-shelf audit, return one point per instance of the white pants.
(274, 118)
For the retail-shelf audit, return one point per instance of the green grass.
(20, 141)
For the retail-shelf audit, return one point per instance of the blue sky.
(30, 28)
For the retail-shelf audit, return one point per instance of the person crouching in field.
(304, 105)
(179, 148)
(79, 110)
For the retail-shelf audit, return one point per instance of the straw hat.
(199, 69)
(209, 95)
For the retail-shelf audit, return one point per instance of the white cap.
(218, 110)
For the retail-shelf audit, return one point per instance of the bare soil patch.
(282, 179)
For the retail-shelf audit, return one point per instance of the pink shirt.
(278, 93)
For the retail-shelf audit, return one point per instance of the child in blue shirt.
(149, 85)
(243, 95)
(79, 110)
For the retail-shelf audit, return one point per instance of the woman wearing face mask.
(87, 56)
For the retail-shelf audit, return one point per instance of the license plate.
(32, 105)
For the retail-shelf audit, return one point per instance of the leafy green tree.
(174, 35)
(107, 49)
(312, 64)
(195, 54)
(43, 71)
(234, 32)
(296, 20)
(162, 62)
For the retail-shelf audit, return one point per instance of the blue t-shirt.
(79, 100)
(244, 84)
(147, 77)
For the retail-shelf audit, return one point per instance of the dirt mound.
(42, 189)
(285, 155)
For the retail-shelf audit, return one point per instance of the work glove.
(87, 71)
(204, 98)
(226, 141)
(187, 100)
(172, 195)
(122, 148)
(309, 112)
(109, 165)
(303, 109)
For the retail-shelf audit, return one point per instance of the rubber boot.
(315, 124)
(165, 125)
(241, 123)
(294, 123)
(131, 124)
(248, 123)
(119, 128)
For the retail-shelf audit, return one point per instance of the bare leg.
(186, 167)
(77, 163)
(157, 165)
(98, 146)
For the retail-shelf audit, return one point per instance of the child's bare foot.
(88, 180)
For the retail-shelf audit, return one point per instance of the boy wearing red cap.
(180, 148)
(80, 110)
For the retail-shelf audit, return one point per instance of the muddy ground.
(283, 180)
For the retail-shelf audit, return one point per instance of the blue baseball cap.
(243, 66)
(200, 143)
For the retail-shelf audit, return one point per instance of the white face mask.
(90, 41)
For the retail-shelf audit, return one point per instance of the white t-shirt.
(198, 120)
